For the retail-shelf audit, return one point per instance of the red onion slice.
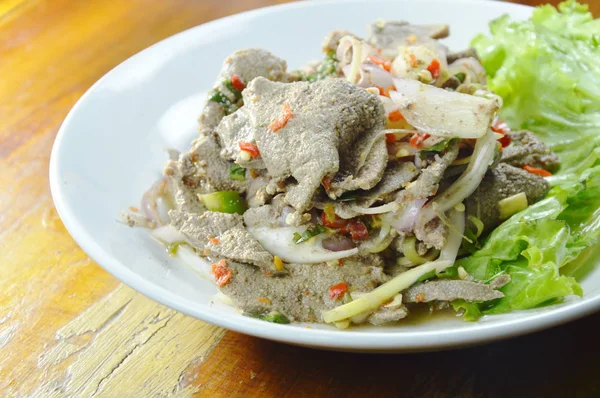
(337, 243)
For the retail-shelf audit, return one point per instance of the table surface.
(68, 328)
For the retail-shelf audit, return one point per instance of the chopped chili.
(214, 241)
(358, 229)
(237, 83)
(264, 300)
(381, 90)
(395, 116)
(249, 147)
(417, 140)
(390, 137)
(505, 141)
(134, 209)
(281, 121)
(500, 127)
(332, 220)
(326, 181)
(535, 170)
(387, 91)
(254, 173)
(381, 62)
(434, 68)
(221, 272)
(336, 292)
(340, 262)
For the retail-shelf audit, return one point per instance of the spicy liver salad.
(382, 178)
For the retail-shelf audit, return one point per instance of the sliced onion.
(370, 75)
(149, 204)
(405, 219)
(222, 298)
(455, 236)
(357, 51)
(337, 243)
(381, 241)
(387, 208)
(279, 242)
(467, 183)
(443, 113)
(168, 234)
(191, 258)
(473, 70)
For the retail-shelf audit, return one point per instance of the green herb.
(310, 232)
(218, 96)
(461, 77)
(237, 173)
(237, 94)
(172, 249)
(327, 68)
(347, 197)
(273, 316)
(470, 247)
(436, 148)
(428, 275)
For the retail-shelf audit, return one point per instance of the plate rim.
(346, 340)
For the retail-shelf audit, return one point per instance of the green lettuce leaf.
(547, 70)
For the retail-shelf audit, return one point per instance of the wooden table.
(68, 328)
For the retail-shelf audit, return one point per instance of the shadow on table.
(561, 362)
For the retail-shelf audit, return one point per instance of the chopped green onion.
(237, 173)
(477, 223)
(173, 248)
(409, 249)
(310, 232)
(273, 316)
(327, 68)
(219, 97)
(461, 77)
(223, 202)
(237, 94)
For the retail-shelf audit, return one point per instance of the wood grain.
(67, 328)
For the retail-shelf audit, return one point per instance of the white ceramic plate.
(111, 148)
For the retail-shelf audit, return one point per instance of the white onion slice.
(197, 263)
(455, 236)
(481, 159)
(443, 113)
(382, 241)
(149, 204)
(405, 219)
(279, 242)
(370, 75)
(359, 52)
(473, 70)
(168, 234)
(386, 208)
